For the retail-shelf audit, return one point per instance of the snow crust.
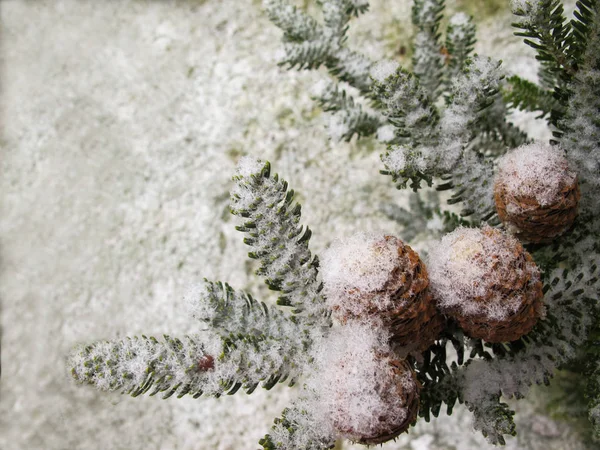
(537, 170)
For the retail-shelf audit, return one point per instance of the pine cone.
(379, 278)
(488, 283)
(536, 194)
(397, 386)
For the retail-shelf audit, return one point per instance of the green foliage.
(522, 94)
(279, 243)
(428, 59)
(460, 42)
(352, 117)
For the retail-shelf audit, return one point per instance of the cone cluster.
(536, 218)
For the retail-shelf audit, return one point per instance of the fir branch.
(233, 313)
(581, 125)
(307, 55)
(494, 419)
(198, 364)
(294, 429)
(428, 59)
(337, 13)
(582, 28)
(296, 25)
(527, 96)
(545, 29)
(460, 41)
(436, 144)
(472, 183)
(407, 106)
(350, 118)
(310, 45)
(271, 224)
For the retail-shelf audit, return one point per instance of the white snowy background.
(122, 122)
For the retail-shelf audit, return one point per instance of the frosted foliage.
(248, 166)
(426, 14)
(582, 138)
(125, 365)
(383, 69)
(386, 133)
(286, 261)
(338, 125)
(460, 20)
(395, 159)
(358, 265)
(528, 7)
(467, 264)
(537, 171)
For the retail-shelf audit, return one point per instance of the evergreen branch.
(582, 28)
(593, 395)
(349, 117)
(307, 55)
(407, 106)
(493, 419)
(472, 183)
(581, 125)
(294, 429)
(546, 30)
(337, 13)
(233, 313)
(271, 224)
(527, 96)
(351, 67)
(197, 364)
(460, 41)
(309, 45)
(436, 145)
(428, 59)
(296, 25)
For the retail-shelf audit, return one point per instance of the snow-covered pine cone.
(377, 278)
(396, 394)
(536, 194)
(486, 281)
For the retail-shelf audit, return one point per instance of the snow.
(539, 171)
(383, 69)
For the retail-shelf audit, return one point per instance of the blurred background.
(122, 122)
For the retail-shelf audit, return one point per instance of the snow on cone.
(377, 278)
(397, 389)
(364, 391)
(536, 194)
(486, 281)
